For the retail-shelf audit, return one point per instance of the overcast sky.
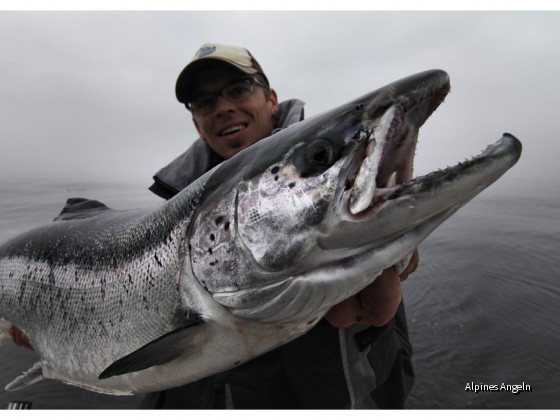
(90, 95)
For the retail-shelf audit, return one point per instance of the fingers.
(412, 265)
(345, 313)
(375, 305)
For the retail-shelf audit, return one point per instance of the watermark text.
(503, 387)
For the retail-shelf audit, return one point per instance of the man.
(359, 355)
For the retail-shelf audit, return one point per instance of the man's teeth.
(233, 129)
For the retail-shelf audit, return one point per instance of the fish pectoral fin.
(158, 352)
(29, 377)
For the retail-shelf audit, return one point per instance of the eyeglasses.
(235, 92)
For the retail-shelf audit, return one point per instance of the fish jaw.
(395, 210)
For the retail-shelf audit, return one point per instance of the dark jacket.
(356, 367)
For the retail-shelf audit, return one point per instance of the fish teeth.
(364, 186)
(392, 181)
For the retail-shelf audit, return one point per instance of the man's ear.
(273, 98)
(199, 130)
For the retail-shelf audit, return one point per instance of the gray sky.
(90, 95)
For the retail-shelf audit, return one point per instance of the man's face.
(231, 127)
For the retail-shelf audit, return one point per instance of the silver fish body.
(247, 258)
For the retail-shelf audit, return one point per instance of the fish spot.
(212, 237)
(275, 170)
(219, 220)
(276, 178)
(226, 226)
(210, 251)
(254, 216)
(292, 184)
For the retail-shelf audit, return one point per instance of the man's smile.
(232, 130)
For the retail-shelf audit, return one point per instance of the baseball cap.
(238, 57)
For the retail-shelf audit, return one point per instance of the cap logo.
(204, 51)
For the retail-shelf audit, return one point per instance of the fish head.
(311, 215)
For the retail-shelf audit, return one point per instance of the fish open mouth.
(387, 142)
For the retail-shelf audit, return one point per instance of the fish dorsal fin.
(158, 352)
(81, 208)
(29, 377)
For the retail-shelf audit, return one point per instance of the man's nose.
(223, 105)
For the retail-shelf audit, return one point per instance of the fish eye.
(320, 154)
(315, 157)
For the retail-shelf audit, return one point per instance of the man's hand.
(19, 337)
(375, 305)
